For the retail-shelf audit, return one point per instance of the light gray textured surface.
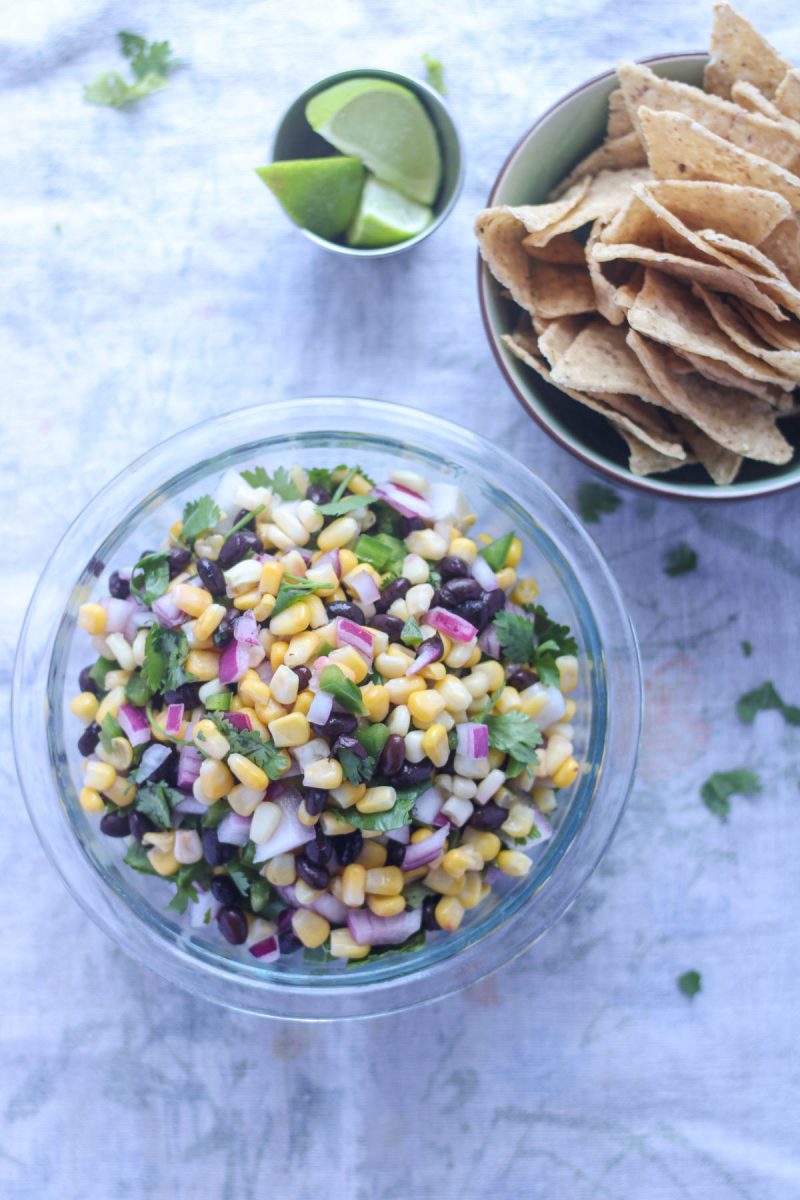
(150, 280)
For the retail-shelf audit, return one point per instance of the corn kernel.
(208, 621)
(204, 664)
(514, 862)
(471, 889)
(277, 654)
(434, 671)
(386, 906)
(302, 647)
(372, 855)
(98, 775)
(163, 862)
(449, 912)
(291, 730)
(191, 600)
(525, 591)
(461, 653)
(348, 657)
(439, 881)
(400, 689)
(428, 544)
(248, 773)
(337, 535)
(568, 672)
(376, 701)
(90, 800)
(519, 821)
(567, 773)
(110, 705)
(570, 708)
(334, 825)
(209, 740)
(556, 752)
(216, 779)
(325, 773)
(400, 720)
(92, 618)
(305, 817)
(462, 858)
(486, 843)
(122, 792)
(506, 578)
(464, 548)
(281, 871)
(392, 666)
(303, 702)
(310, 927)
(292, 620)
(244, 800)
(349, 794)
(435, 745)
(343, 945)
(457, 697)
(84, 706)
(377, 799)
(284, 685)
(271, 575)
(269, 712)
(354, 880)
(384, 881)
(425, 707)
(494, 673)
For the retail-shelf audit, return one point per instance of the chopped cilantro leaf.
(680, 560)
(156, 801)
(690, 983)
(281, 482)
(538, 643)
(165, 653)
(357, 770)
(198, 517)
(249, 742)
(293, 589)
(764, 699)
(136, 857)
(434, 73)
(346, 504)
(399, 814)
(214, 814)
(516, 735)
(747, 648)
(149, 62)
(199, 874)
(516, 636)
(719, 787)
(150, 577)
(595, 499)
(146, 59)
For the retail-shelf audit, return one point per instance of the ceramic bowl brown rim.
(619, 474)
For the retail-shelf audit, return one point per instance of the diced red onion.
(455, 627)
(118, 613)
(291, 833)
(404, 501)
(321, 708)
(364, 586)
(442, 818)
(245, 629)
(189, 762)
(234, 661)
(369, 930)
(134, 724)
(485, 576)
(140, 618)
(168, 614)
(189, 807)
(489, 642)
(447, 502)
(330, 908)
(473, 739)
(419, 854)
(234, 830)
(427, 805)
(401, 835)
(152, 759)
(330, 558)
(266, 950)
(430, 651)
(172, 724)
(265, 671)
(348, 633)
(288, 895)
(205, 903)
(239, 720)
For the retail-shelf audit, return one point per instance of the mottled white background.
(149, 280)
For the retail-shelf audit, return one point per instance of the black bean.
(348, 742)
(167, 771)
(119, 588)
(317, 494)
(115, 824)
(179, 559)
(225, 891)
(224, 631)
(494, 601)
(86, 683)
(391, 626)
(238, 546)
(473, 611)
(456, 591)
(288, 943)
(395, 853)
(395, 590)
(140, 825)
(216, 852)
(407, 525)
(343, 608)
(303, 677)
(315, 800)
(89, 739)
(336, 724)
(348, 846)
(232, 925)
(250, 523)
(320, 850)
(393, 755)
(429, 912)
(411, 774)
(187, 694)
(284, 920)
(211, 577)
(314, 874)
(451, 567)
(520, 678)
(490, 816)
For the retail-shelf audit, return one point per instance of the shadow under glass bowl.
(133, 511)
(544, 155)
(296, 139)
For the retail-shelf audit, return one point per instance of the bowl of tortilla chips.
(640, 269)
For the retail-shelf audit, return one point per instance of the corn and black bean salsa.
(327, 711)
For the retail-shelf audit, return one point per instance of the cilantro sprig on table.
(434, 73)
(719, 787)
(150, 64)
(594, 499)
(680, 560)
(765, 698)
(690, 983)
(535, 643)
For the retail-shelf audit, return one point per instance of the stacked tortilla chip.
(660, 284)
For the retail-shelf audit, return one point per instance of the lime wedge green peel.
(320, 194)
(386, 127)
(385, 216)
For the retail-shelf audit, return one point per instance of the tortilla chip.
(619, 119)
(604, 286)
(563, 248)
(668, 312)
(722, 465)
(783, 248)
(748, 95)
(749, 214)
(644, 460)
(783, 335)
(559, 291)
(720, 372)
(738, 51)
(537, 217)
(558, 337)
(713, 275)
(678, 148)
(742, 256)
(751, 131)
(732, 419)
(786, 362)
(603, 198)
(626, 293)
(614, 155)
(787, 97)
(598, 360)
(635, 224)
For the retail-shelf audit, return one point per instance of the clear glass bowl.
(134, 511)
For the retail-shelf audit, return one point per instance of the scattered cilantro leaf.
(240, 876)
(156, 801)
(764, 699)
(538, 643)
(399, 814)
(198, 517)
(293, 588)
(690, 983)
(346, 504)
(165, 652)
(281, 482)
(411, 634)
(154, 58)
(719, 787)
(109, 729)
(150, 64)
(434, 73)
(187, 877)
(516, 735)
(357, 770)
(334, 681)
(387, 519)
(497, 551)
(150, 577)
(136, 857)
(680, 560)
(409, 946)
(384, 552)
(516, 636)
(415, 893)
(214, 814)
(249, 742)
(747, 648)
(595, 499)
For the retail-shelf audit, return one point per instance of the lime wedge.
(321, 194)
(386, 217)
(385, 126)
